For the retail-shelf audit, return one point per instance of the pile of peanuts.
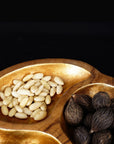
(30, 96)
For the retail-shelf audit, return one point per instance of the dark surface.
(88, 41)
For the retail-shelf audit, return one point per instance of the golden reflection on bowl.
(71, 74)
(8, 136)
(92, 89)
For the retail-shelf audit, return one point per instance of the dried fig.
(102, 119)
(88, 120)
(73, 112)
(85, 101)
(101, 99)
(81, 135)
(102, 137)
(112, 125)
(112, 104)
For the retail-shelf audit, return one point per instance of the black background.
(89, 39)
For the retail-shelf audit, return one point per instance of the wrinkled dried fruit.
(88, 120)
(73, 112)
(112, 104)
(101, 99)
(112, 125)
(96, 115)
(83, 100)
(102, 119)
(81, 135)
(102, 137)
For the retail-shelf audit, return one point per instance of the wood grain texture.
(76, 74)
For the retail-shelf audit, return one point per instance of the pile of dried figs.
(90, 120)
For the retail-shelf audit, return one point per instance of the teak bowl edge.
(52, 123)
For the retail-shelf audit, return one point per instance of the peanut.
(4, 110)
(12, 112)
(40, 115)
(58, 80)
(21, 115)
(7, 91)
(29, 96)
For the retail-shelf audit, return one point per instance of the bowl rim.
(74, 62)
(91, 84)
(36, 131)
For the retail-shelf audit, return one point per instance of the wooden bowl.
(75, 74)
(26, 137)
(91, 90)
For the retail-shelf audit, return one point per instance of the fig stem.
(73, 96)
(91, 131)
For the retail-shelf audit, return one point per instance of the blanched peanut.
(10, 105)
(30, 96)
(7, 91)
(59, 89)
(35, 112)
(2, 96)
(52, 91)
(23, 102)
(33, 89)
(7, 100)
(58, 80)
(48, 99)
(52, 84)
(38, 76)
(40, 115)
(15, 81)
(29, 84)
(38, 91)
(15, 101)
(12, 112)
(18, 108)
(30, 100)
(35, 106)
(39, 98)
(4, 110)
(43, 94)
(43, 106)
(45, 90)
(38, 83)
(27, 77)
(21, 115)
(21, 97)
(45, 84)
(15, 94)
(25, 92)
(27, 111)
(21, 87)
(46, 78)
(17, 85)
